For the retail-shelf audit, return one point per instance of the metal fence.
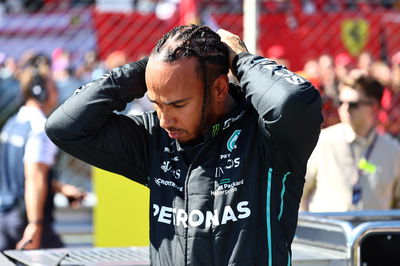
(320, 39)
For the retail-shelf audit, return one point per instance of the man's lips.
(175, 133)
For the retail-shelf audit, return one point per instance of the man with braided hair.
(225, 164)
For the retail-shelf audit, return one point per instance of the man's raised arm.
(288, 104)
(87, 127)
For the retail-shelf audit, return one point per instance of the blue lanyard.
(356, 189)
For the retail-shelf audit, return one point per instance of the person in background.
(391, 112)
(10, 99)
(329, 89)
(353, 167)
(381, 71)
(343, 65)
(311, 72)
(225, 164)
(89, 67)
(326, 69)
(114, 59)
(26, 159)
(395, 66)
(364, 61)
(278, 54)
(62, 73)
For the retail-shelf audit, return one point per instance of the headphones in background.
(38, 89)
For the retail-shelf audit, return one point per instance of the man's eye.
(179, 105)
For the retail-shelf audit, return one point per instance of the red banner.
(133, 33)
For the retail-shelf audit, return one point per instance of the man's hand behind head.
(234, 43)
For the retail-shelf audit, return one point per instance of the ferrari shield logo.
(355, 33)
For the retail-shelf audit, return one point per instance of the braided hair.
(202, 43)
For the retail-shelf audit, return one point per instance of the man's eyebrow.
(172, 102)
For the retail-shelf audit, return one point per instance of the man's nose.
(166, 119)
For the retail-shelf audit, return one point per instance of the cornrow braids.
(194, 41)
(200, 42)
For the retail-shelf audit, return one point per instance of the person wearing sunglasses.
(353, 167)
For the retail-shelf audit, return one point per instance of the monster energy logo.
(231, 144)
(215, 130)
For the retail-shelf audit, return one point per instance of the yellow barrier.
(121, 216)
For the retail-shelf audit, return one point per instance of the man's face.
(176, 91)
(355, 108)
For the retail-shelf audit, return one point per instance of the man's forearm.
(35, 191)
(35, 197)
(87, 127)
(95, 102)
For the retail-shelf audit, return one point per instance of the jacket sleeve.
(288, 105)
(87, 127)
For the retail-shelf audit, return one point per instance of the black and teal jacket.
(236, 200)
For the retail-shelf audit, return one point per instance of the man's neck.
(364, 131)
(223, 109)
(35, 104)
(229, 104)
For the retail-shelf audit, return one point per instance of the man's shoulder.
(334, 131)
(34, 116)
(389, 142)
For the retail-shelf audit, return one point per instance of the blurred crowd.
(15, 6)
(327, 71)
(314, 6)
(67, 77)
(146, 6)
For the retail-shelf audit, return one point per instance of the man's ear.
(220, 87)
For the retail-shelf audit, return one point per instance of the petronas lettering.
(197, 218)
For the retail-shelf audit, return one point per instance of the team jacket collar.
(228, 120)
